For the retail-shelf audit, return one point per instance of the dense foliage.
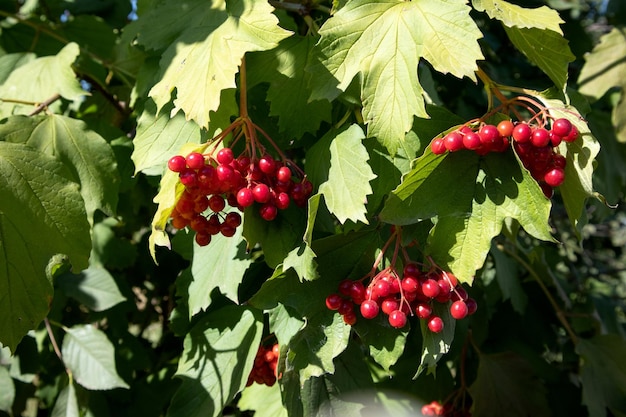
(306, 208)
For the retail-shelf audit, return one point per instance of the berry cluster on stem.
(217, 179)
(399, 295)
(265, 364)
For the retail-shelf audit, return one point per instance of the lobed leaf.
(204, 57)
(435, 345)
(547, 49)
(513, 15)
(218, 355)
(89, 354)
(487, 190)
(347, 187)
(383, 42)
(41, 214)
(302, 260)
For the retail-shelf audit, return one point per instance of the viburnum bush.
(312, 208)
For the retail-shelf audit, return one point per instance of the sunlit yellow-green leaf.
(513, 15)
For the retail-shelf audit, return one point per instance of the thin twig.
(44, 105)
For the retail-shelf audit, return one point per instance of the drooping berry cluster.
(213, 182)
(535, 144)
(412, 293)
(265, 363)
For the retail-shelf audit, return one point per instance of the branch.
(44, 105)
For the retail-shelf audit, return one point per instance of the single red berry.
(195, 160)
(453, 141)
(283, 174)
(389, 304)
(561, 127)
(540, 137)
(333, 302)
(410, 284)
(267, 164)
(382, 288)
(227, 230)
(521, 132)
(554, 177)
(397, 319)
(349, 318)
(188, 177)
(225, 156)
(369, 309)
(225, 173)
(435, 324)
(423, 310)
(261, 193)
(555, 140)
(357, 292)
(438, 146)
(282, 201)
(505, 128)
(471, 141)
(245, 198)
(411, 269)
(345, 307)
(472, 306)
(459, 293)
(203, 239)
(233, 219)
(268, 212)
(488, 134)
(459, 309)
(430, 288)
(573, 135)
(558, 161)
(217, 203)
(345, 286)
(449, 276)
(177, 163)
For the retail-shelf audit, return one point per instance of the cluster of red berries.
(436, 408)
(535, 145)
(212, 183)
(399, 297)
(265, 363)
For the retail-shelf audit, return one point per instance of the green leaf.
(302, 260)
(383, 42)
(347, 187)
(94, 287)
(513, 15)
(435, 345)
(217, 358)
(159, 137)
(263, 400)
(41, 79)
(604, 68)
(205, 54)
(471, 196)
(283, 68)
(546, 49)
(84, 152)
(505, 385)
(7, 390)
(284, 322)
(386, 344)
(10, 62)
(41, 214)
(507, 274)
(89, 354)
(603, 374)
(581, 154)
(66, 404)
(227, 252)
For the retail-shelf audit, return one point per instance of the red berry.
(453, 141)
(369, 309)
(472, 306)
(217, 203)
(195, 160)
(423, 310)
(282, 201)
(572, 136)
(357, 292)
(188, 177)
(554, 177)
(225, 173)
(203, 239)
(390, 304)
(261, 193)
(505, 128)
(558, 161)
(411, 269)
(268, 212)
(540, 137)
(177, 163)
(245, 198)
(333, 302)
(438, 146)
(382, 288)
(521, 132)
(561, 127)
(345, 307)
(345, 286)
(225, 156)
(349, 318)
(471, 141)
(397, 319)
(435, 324)
(430, 288)
(488, 134)
(555, 140)
(267, 164)
(410, 284)
(459, 309)
(227, 230)
(283, 174)
(233, 219)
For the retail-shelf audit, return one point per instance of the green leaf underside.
(284, 69)
(513, 15)
(204, 54)
(66, 404)
(603, 374)
(347, 187)
(488, 190)
(604, 68)
(384, 41)
(263, 400)
(94, 287)
(221, 264)
(546, 49)
(435, 345)
(89, 354)
(41, 79)
(505, 385)
(217, 358)
(7, 390)
(84, 152)
(41, 214)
